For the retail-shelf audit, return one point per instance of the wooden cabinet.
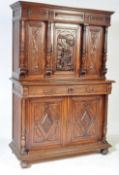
(60, 91)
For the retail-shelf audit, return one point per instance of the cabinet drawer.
(89, 89)
(66, 16)
(47, 91)
(67, 90)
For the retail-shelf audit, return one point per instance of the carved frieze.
(54, 14)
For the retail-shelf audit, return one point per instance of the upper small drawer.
(69, 16)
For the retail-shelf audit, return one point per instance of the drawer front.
(68, 16)
(67, 90)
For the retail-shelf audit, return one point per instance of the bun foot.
(25, 164)
(104, 151)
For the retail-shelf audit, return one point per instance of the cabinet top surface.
(63, 82)
(41, 5)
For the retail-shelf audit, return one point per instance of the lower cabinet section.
(56, 122)
(52, 127)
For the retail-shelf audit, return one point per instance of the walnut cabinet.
(60, 90)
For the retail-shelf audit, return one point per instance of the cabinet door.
(85, 119)
(45, 120)
(95, 44)
(66, 50)
(35, 48)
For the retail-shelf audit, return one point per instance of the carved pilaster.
(84, 53)
(105, 121)
(104, 69)
(22, 65)
(23, 129)
(22, 33)
(49, 49)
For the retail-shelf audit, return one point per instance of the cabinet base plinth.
(64, 152)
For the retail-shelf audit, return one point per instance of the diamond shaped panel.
(85, 120)
(46, 122)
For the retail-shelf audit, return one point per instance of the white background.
(90, 164)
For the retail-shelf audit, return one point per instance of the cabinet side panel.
(16, 120)
(16, 45)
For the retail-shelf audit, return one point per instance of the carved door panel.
(94, 50)
(45, 123)
(85, 119)
(35, 48)
(66, 49)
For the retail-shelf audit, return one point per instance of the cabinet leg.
(25, 164)
(104, 151)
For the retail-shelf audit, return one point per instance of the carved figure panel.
(46, 122)
(95, 50)
(65, 44)
(35, 47)
(66, 47)
(85, 119)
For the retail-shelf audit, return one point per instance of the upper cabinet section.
(59, 42)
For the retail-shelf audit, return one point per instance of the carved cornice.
(54, 14)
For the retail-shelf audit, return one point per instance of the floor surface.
(94, 164)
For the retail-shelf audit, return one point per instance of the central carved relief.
(65, 51)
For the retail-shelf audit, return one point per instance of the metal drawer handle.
(70, 90)
(90, 89)
(49, 91)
